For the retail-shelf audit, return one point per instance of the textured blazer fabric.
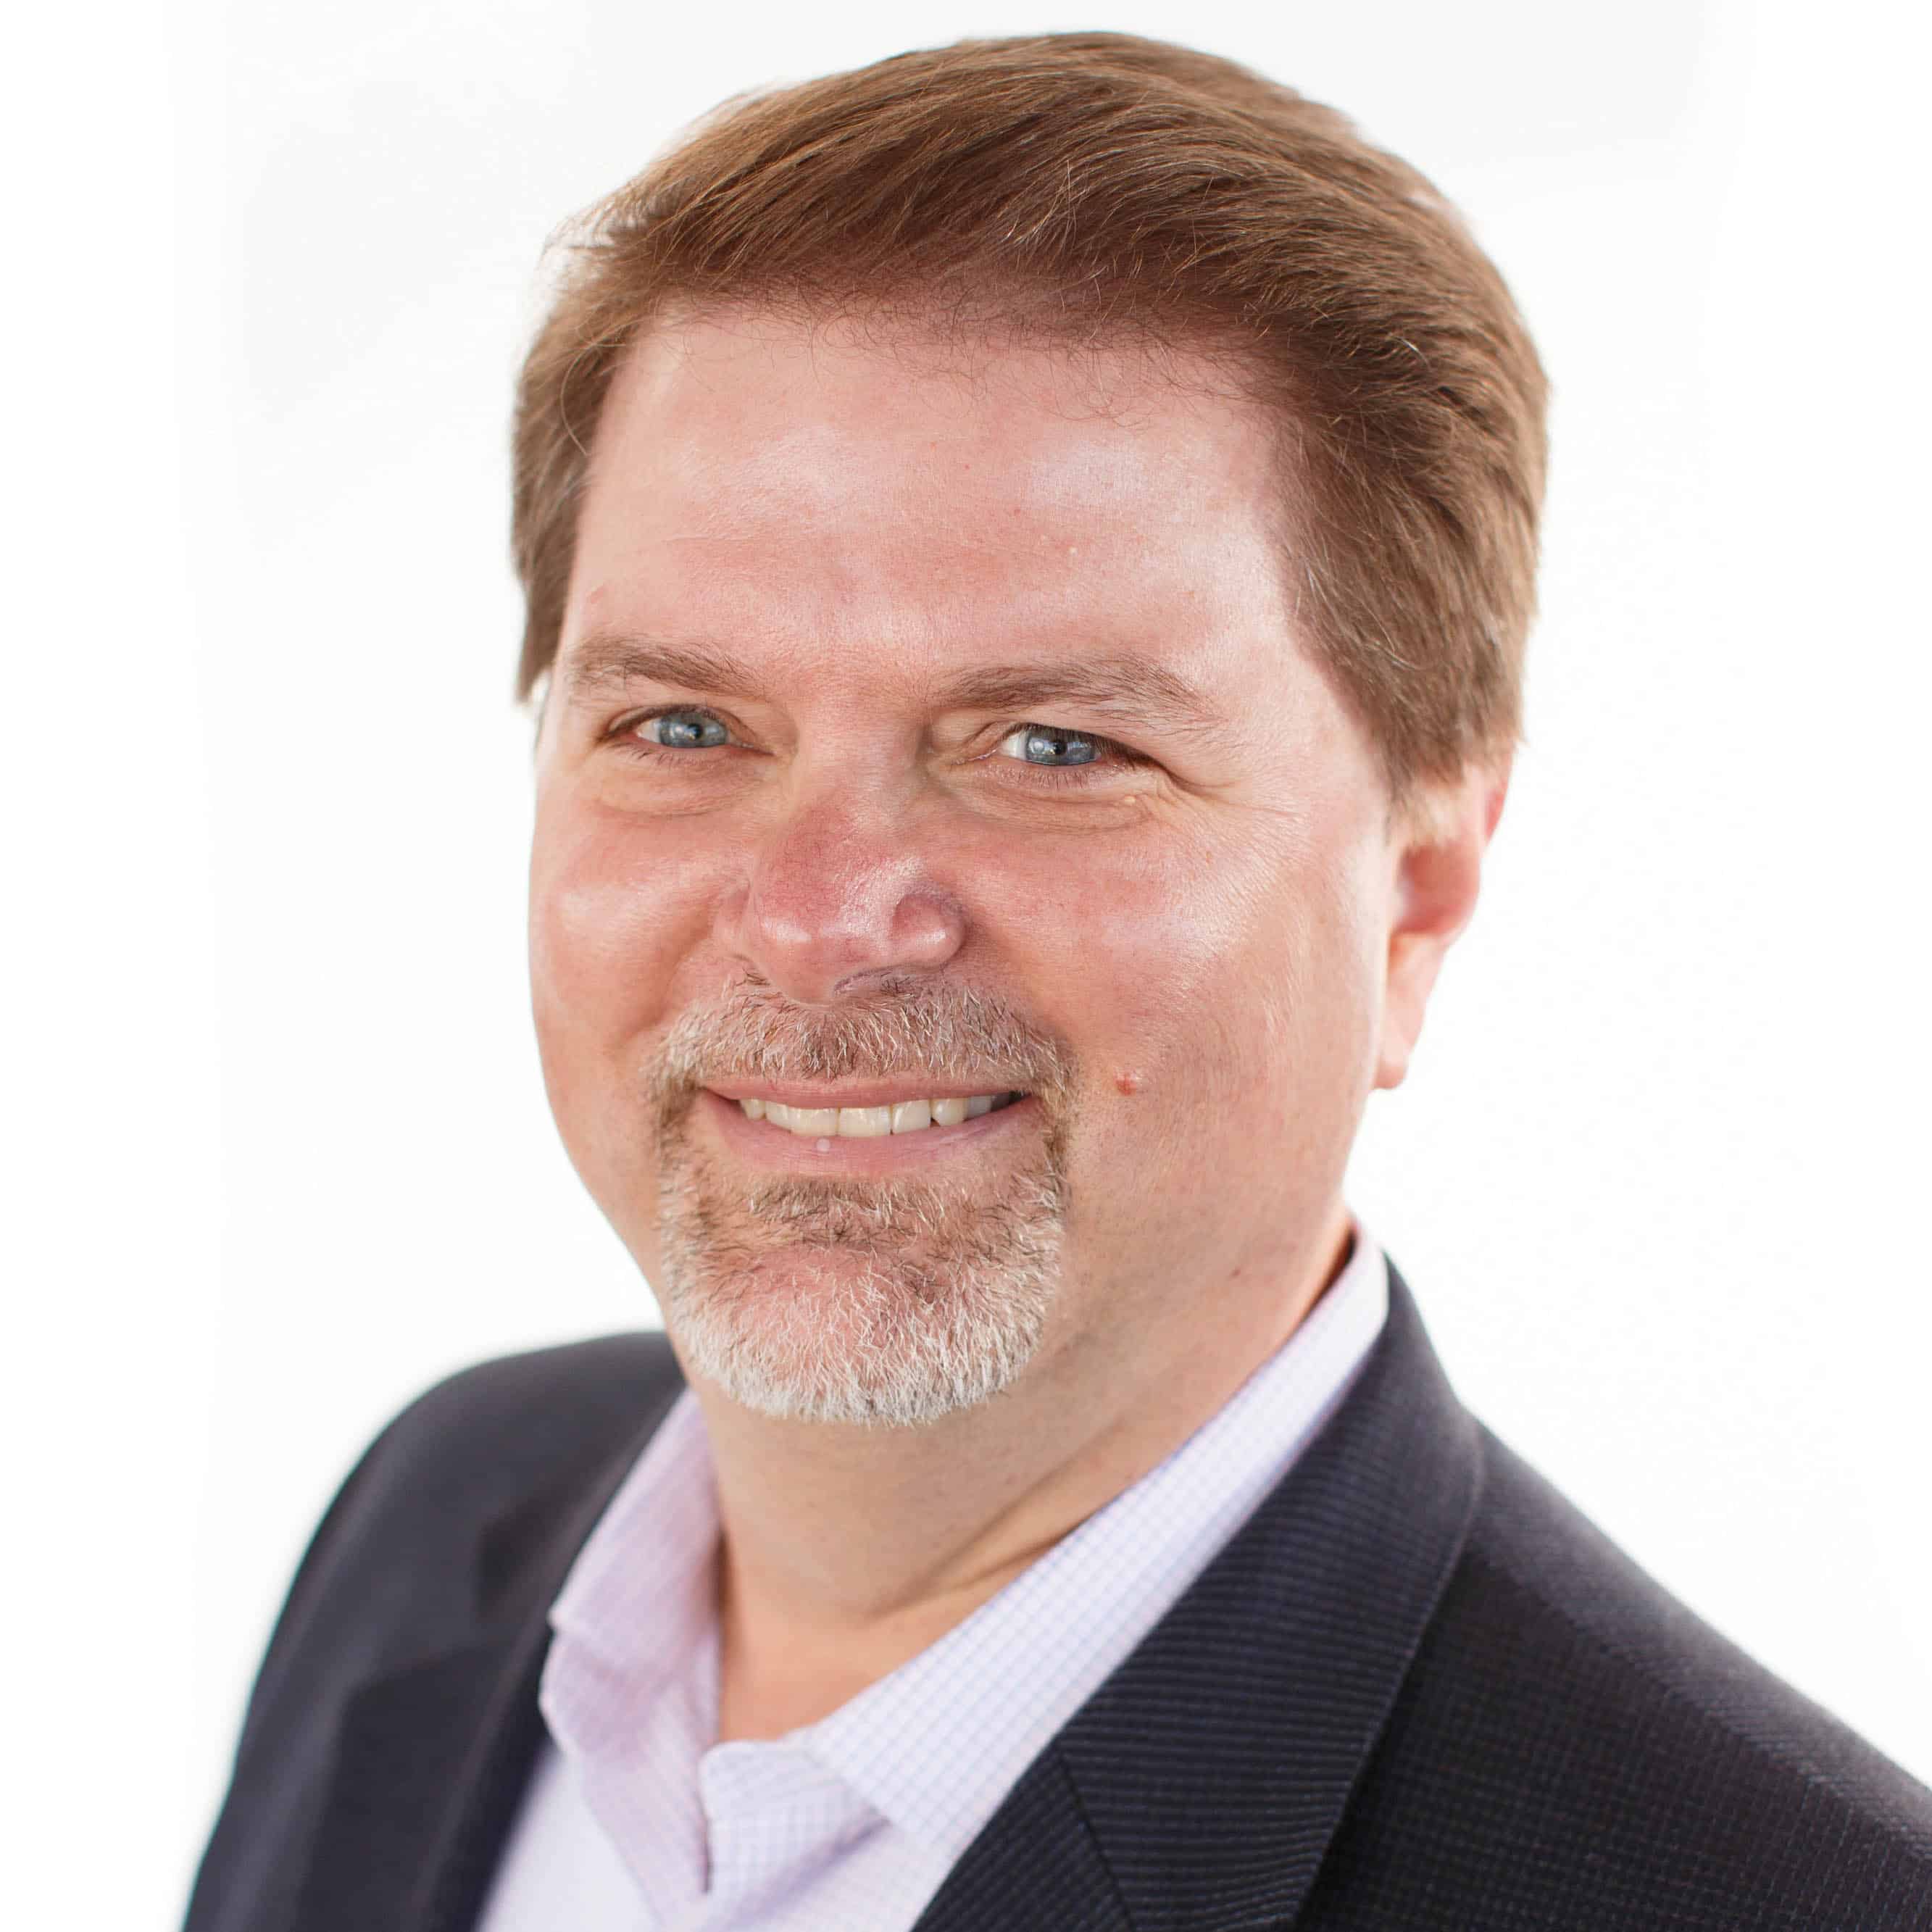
(1418, 1689)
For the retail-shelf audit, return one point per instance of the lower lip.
(782, 1151)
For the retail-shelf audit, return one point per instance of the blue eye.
(683, 730)
(1048, 744)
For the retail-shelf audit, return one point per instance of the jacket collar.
(432, 1759)
(1199, 1787)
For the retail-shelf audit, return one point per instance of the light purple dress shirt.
(636, 1820)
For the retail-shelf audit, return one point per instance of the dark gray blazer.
(1417, 1691)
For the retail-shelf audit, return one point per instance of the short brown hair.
(1097, 186)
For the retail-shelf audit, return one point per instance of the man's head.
(1029, 546)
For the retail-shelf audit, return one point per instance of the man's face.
(925, 728)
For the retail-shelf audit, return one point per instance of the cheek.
(611, 911)
(1225, 997)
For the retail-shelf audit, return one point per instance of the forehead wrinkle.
(792, 377)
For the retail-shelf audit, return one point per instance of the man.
(1028, 549)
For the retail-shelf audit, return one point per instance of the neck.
(846, 1551)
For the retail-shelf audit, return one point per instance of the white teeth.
(903, 1117)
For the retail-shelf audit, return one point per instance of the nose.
(835, 903)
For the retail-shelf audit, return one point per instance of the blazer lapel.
(427, 1757)
(1199, 1787)
(432, 1759)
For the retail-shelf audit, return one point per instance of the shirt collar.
(648, 1571)
(1003, 1681)
(999, 1684)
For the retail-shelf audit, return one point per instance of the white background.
(281, 1153)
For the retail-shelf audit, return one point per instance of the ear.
(1436, 848)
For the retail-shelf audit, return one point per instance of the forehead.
(872, 499)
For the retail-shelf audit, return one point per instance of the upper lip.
(855, 1093)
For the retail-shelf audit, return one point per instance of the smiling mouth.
(902, 1116)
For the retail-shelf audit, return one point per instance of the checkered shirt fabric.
(636, 1820)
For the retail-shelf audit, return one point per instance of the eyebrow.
(601, 665)
(1122, 684)
(1133, 689)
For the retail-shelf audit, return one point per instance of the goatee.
(892, 1303)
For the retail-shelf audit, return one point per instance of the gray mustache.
(948, 1032)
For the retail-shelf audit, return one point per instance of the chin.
(870, 1333)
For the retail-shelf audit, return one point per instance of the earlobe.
(1437, 853)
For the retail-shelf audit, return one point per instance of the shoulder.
(392, 1562)
(1574, 1742)
(501, 1425)
(484, 1439)
(394, 1574)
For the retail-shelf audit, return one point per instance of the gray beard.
(887, 1302)
(883, 1302)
